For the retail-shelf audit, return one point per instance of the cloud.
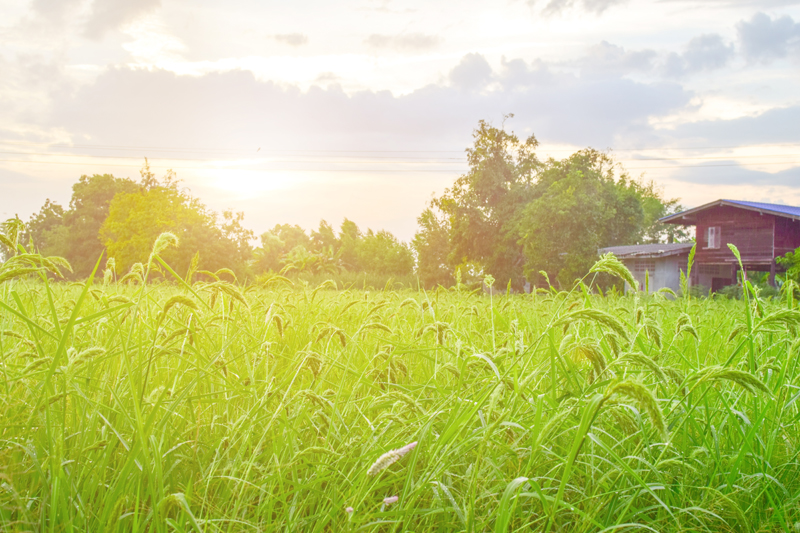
(606, 59)
(517, 73)
(109, 15)
(292, 39)
(232, 109)
(703, 53)
(764, 39)
(597, 7)
(737, 175)
(54, 11)
(777, 125)
(472, 73)
(411, 42)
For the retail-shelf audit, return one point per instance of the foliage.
(579, 206)
(432, 245)
(483, 206)
(137, 218)
(514, 215)
(791, 261)
(289, 249)
(382, 253)
(211, 405)
(74, 233)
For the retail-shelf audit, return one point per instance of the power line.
(209, 159)
(379, 170)
(402, 160)
(326, 151)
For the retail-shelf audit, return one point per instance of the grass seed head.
(389, 458)
(644, 398)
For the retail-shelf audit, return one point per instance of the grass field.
(142, 406)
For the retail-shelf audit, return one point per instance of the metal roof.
(646, 251)
(686, 217)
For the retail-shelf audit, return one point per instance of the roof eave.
(681, 218)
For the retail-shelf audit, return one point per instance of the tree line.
(512, 215)
(124, 217)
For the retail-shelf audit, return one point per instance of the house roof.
(647, 251)
(688, 217)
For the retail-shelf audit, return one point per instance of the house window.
(714, 237)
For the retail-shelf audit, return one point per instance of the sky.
(293, 112)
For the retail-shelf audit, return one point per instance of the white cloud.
(409, 42)
(292, 39)
(110, 15)
(472, 73)
(606, 59)
(597, 7)
(764, 38)
(703, 53)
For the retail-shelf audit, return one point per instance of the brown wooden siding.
(787, 235)
(751, 232)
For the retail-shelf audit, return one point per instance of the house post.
(772, 273)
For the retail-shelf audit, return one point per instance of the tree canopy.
(513, 215)
(135, 219)
(287, 248)
(74, 233)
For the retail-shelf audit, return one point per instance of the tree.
(74, 233)
(482, 207)
(432, 244)
(324, 238)
(137, 218)
(512, 215)
(88, 209)
(47, 232)
(655, 207)
(349, 235)
(234, 232)
(278, 242)
(578, 208)
(382, 253)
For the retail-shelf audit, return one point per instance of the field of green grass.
(139, 405)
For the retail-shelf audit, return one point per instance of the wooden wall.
(752, 233)
(787, 235)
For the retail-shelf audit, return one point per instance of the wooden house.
(761, 232)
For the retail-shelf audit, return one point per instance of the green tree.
(512, 215)
(349, 235)
(655, 207)
(136, 219)
(382, 253)
(47, 232)
(432, 244)
(324, 238)
(88, 209)
(276, 243)
(580, 205)
(74, 233)
(483, 206)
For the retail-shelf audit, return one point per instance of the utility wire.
(390, 160)
(325, 151)
(379, 170)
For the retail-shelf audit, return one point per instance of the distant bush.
(734, 292)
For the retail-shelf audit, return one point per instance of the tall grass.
(210, 406)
